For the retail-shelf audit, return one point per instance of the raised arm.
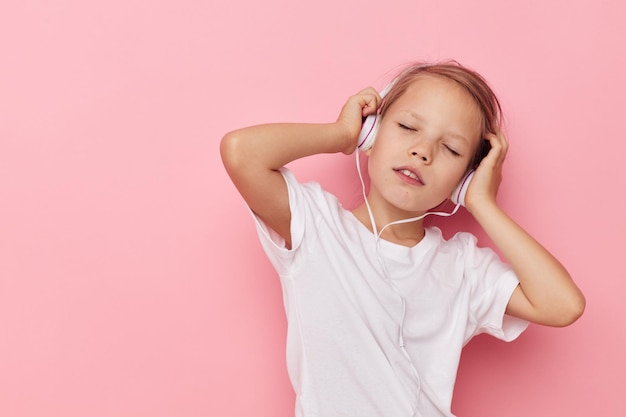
(252, 156)
(547, 294)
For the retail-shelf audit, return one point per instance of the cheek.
(376, 166)
(375, 154)
(453, 176)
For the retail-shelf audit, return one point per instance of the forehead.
(439, 89)
(443, 101)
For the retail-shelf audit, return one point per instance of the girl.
(377, 317)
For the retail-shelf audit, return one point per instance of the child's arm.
(546, 294)
(252, 156)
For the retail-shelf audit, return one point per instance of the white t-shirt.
(344, 312)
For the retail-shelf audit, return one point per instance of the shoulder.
(308, 194)
(460, 242)
(314, 211)
(464, 248)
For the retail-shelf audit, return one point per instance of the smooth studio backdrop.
(131, 279)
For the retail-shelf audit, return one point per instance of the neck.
(406, 234)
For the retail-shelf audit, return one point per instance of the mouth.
(409, 176)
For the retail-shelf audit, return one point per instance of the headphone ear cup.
(458, 195)
(367, 136)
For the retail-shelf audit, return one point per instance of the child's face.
(425, 142)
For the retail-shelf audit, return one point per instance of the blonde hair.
(470, 80)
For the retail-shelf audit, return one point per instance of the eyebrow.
(449, 134)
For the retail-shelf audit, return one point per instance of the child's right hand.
(356, 109)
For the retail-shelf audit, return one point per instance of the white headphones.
(367, 137)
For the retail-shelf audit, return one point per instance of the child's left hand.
(484, 185)
(546, 293)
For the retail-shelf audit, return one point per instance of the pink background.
(131, 279)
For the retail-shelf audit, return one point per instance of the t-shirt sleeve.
(492, 284)
(300, 198)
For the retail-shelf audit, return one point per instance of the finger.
(370, 101)
(502, 138)
(499, 146)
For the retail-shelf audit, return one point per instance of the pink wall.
(131, 280)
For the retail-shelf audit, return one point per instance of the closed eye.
(451, 150)
(405, 127)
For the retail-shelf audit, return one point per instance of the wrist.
(484, 211)
(346, 137)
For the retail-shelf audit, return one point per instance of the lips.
(409, 175)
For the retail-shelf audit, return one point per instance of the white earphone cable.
(381, 261)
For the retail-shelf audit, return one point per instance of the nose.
(422, 157)
(422, 149)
